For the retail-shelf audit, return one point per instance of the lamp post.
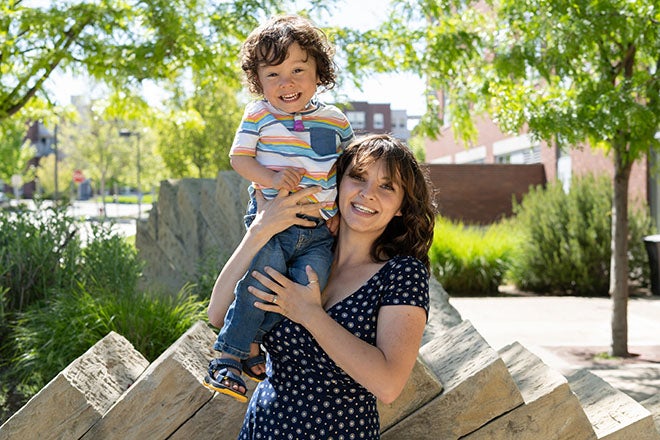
(129, 133)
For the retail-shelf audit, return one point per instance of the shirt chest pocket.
(323, 141)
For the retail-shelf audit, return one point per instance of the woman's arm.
(383, 369)
(273, 217)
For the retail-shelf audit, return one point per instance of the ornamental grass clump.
(471, 260)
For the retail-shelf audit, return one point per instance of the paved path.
(569, 332)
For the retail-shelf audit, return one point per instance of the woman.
(339, 350)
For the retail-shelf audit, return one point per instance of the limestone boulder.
(80, 394)
(193, 219)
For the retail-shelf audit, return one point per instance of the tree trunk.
(619, 260)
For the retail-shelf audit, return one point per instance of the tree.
(197, 134)
(571, 71)
(121, 43)
(94, 146)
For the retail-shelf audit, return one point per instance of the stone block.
(421, 388)
(442, 314)
(653, 405)
(220, 418)
(551, 410)
(166, 395)
(477, 388)
(80, 394)
(613, 414)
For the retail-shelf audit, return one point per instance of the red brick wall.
(481, 194)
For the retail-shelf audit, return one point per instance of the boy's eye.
(298, 70)
(271, 75)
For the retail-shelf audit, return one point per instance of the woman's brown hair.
(412, 232)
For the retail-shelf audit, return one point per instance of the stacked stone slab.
(477, 388)
(460, 388)
(551, 410)
(653, 405)
(613, 414)
(165, 396)
(80, 394)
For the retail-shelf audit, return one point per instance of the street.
(122, 214)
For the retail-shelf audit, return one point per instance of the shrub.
(471, 260)
(62, 295)
(566, 245)
(39, 252)
(49, 336)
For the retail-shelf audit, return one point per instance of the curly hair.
(411, 233)
(269, 45)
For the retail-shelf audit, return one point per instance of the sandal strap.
(228, 374)
(218, 364)
(254, 361)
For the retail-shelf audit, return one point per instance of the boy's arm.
(250, 169)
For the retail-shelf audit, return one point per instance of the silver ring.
(274, 301)
(313, 281)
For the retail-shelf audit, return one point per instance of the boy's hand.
(333, 224)
(288, 178)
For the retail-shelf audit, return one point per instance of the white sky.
(402, 91)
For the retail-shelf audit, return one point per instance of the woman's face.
(369, 198)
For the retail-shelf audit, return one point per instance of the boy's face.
(289, 86)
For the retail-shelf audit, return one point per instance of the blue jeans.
(288, 252)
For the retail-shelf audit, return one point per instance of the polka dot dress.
(307, 396)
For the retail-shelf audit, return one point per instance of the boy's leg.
(317, 254)
(243, 320)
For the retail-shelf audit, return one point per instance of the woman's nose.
(367, 191)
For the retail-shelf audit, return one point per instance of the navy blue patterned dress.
(307, 396)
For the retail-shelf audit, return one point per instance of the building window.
(379, 121)
(446, 112)
(357, 120)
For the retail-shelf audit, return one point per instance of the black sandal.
(253, 362)
(219, 371)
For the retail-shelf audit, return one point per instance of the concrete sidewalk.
(569, 333)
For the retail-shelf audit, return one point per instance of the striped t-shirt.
(267, 134)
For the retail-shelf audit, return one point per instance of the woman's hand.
(295, 301)
(278, 214)
(272, 217)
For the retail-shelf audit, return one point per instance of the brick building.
(494, 147)
(371, 118)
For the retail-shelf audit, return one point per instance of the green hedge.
(471, 260)
(566, 244)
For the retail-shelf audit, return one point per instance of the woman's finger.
(312, 277)
(268, 281)
(279, 278)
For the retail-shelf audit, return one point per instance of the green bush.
(60, 296)
(39, 252)
(48, 337)
(470, 260)
(566, 245)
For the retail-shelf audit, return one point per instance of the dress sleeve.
(407, 284)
